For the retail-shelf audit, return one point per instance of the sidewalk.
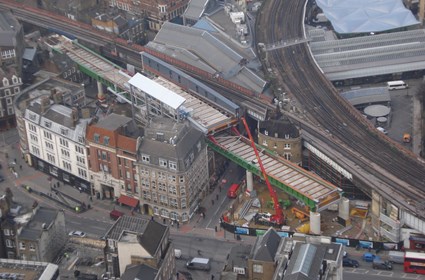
(100, 209)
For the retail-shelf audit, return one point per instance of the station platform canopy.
(365, 16)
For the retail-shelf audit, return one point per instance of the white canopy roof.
(363, 16)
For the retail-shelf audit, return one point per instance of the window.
(49, 145)
(286, 136)
(6, 232)
(82, 173)
(47, 135)
(287, 146)
(104, 155)
(34, 138)
(106, 140)
(51, 158)
(32, 247)
(172, 165)
(287, 156)
(9, 243)
(16, 90)
(22, 245)
(163, 163)
(264, 142)
(47, 124)
(96, 137)
(181, 179)
(64, 131)
(182, 190)
(81, 160)
(7, 92)
(66, 165)
(183, 203)
(65, 153)
(35, 150)
(63, 142)
(79, 149)
(145, 158)
(127, 174)
(257, 268)
(32, 127)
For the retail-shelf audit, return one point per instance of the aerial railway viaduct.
(393, 177)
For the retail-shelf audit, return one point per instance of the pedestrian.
(216, 197)
(91, 198)
(177, 224)
(163, 220)
(14, 160)
(20, 167)
(172, 223)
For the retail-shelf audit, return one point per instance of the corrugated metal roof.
(195, 9)
(371, 55)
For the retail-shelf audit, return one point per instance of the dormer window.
(162, 8)
(106, 140)
(96, 138)
(48, 124)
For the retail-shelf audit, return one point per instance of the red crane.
(278, 218)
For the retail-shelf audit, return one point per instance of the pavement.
(100, 209)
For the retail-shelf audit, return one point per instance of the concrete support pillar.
(249, 181)
(315, 223)
(100, 95)
(344, 208)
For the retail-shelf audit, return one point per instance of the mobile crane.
(278, 218)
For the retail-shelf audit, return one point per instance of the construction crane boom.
(278, 218)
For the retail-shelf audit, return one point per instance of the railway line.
(397, 174)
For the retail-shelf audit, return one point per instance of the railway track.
(397, 172)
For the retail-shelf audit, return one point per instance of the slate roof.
(305, 262)
(139, 272)
(33, 229)
(266, 246)
(152, 237)
(279, 127)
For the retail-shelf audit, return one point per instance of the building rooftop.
(363, 96)
(170, 140)
(206, 51)
(195, 9)
(41, 220)
(26, 270)
(266, 246)
(127, 223)
(9, 27)
(364, 16)
(141, 271)
(279, 128)
(112, 122)
(152, 237)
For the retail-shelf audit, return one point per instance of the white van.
(199, 263)
(383, 130)
(397, 85)
(396, 257)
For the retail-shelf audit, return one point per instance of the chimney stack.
(44, 103)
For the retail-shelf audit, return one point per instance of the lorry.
(199, 264)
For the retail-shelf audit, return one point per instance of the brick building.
(112, 143)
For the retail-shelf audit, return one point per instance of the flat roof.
(377, 110)
(157, 91)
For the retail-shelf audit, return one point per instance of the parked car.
(368, 257)
(347, 262)
(381, 264)
(77, 233)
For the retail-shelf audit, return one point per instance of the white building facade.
(56, 142)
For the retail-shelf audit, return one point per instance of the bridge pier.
(344, 210)
(100, 94)
(315, 223)
(249, 181)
